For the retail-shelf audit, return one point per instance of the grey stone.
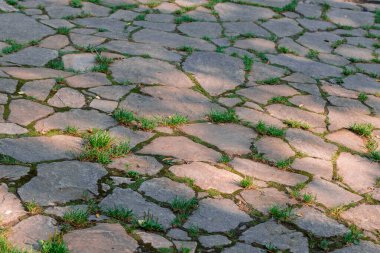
(364, 246)
(62, 11)
(61, 182)
(362, 83)
(263, 199)
(315, 25)
(8, 85)
(317, 223)
(88, 80)
(18, 26)
(263, 72)
(348, 139)
(294, 47)
(114, 92)
(104, 105)
(165, 190)
(242, 248)
(314, 166)
(149, 71)
(210, 241)
(271, 232)
(67, 97)
(109, 24)
(343, 117)
(350, 18)
(329, 194)
(257, 44)
(309, 10)
(142, 164)
(101, 238)
(237, 28)
(13, 172)
(217, 215)
(79, 62)
(364, 216)
(337, 90)
(266, 173)
(359, 53)
(95, 9)
(38, 89)
(11, 128)
(319, 41)
(310, 144)
(208, 177)
(134, 137)
(11, 209)
(201, 29)
(274, 149)
(32, 56)
(24, 111)
(125, 15)
(192, 246)
(156, 241)
(231, 138)
(237, 12)
(310, 102)
(43, 148)
(255, 117)
(82, 119)
(178, 234)
(34, 73)
(61, 210)
(28, 233)
(127, 198)
(263, 93)
(84, 40)
(283, 27)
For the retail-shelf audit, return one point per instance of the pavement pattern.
(189, 126)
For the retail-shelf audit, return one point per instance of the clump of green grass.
(174, 120)
(102, 64)
(377, 184)
(270, 81)
(284, 50)
(184, 206)
(33, 208)
(337, 43)
(279, 100)
(120, 213)
(193, 231)
(187, 49)
(312, 54)
(224, 159)
(248, 61)
(140, 17)
(5, 247)
(377, 16)
(281, 213)
(262, 57)
(308, 198)
(246, 182)
(284, 163)
(100, 147)
(297, 124)
(123, 116)
(12, 48)
(228, 116)
(362, 97)
(289, 7)
(72, 130)
(348, 71)
(115, 8)
(353, 236)
(262, 128)
(76, 218)
(12, 2)
(375, 155)
(148, 123)
(363, 129)
(76, 3)
(184, 19)
(150, 223)
(53, 245)
(133, 174)
(55, 64)
(63, 30)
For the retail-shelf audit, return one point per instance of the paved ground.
(189, 126)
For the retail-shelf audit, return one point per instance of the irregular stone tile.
(257, 44)
(350, 18)
(374, 102)
(329, 194)
(283, 27)
(208, 177)
(8, 85)
(310, 144)
(11, 209)
(6, 7)
(67, 97)
(32, 56)
(131, 48)
(156, 241)
(309, 10)
(167, 101)
(134, 137)
(84, 40)
(61, 182)
(79, 62)
(201, 29)
(305, 66)
(24, 111)
(13, 172)
(61, 210)
(317, 223)
(359, 173)
(263, 72)
(315, 25)
(290, 44)
(28, 233)
(125, 15)
(192, 246)
(34, 73)
(266, 173)
(56, 23)
(237, 28)
(369, 67)
(337, 90)
(95, 9)
(43, 148)
(231, 138)
(167, 27)
(362, 83)
(17, 26)
(310, 102)
(364, 246)
(320, 41)
(104, 105)
(145, 165)
(263, 199)
(114, 92)
(349, 51)
(255, 117)
(242, 248)
(215, 72)
(178, 234)
(121, 180)
(274, 149)
(160, 18)
(348, 139)
(217, 215)
(364, 216)
(316, 167)
(101, 238)
(210, 241)
(333, 59)
(229, 102)
(165, 190)
(343, 117)
(262, 93)
(11, 128)
(129, 199)
(109, 24)
(307, 87)
(237, 12)
(300, 78)
(171, 40)
(201, 14)
(3, 99)
(149, 71)
(315, 121)
(88, 80)
(62, 11)
(275, 234)
(39, 89)
(82, 119)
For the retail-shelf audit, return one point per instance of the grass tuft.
(120, 213)
(150, 223)
(228, 116)
(76, 3)
(362, 97)
(281, 213)
(262, 128)
(53, 245)
(297, 124)
(63, 30)
(363, 129)
(12, 48)
(246, 182)
(76, 218)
